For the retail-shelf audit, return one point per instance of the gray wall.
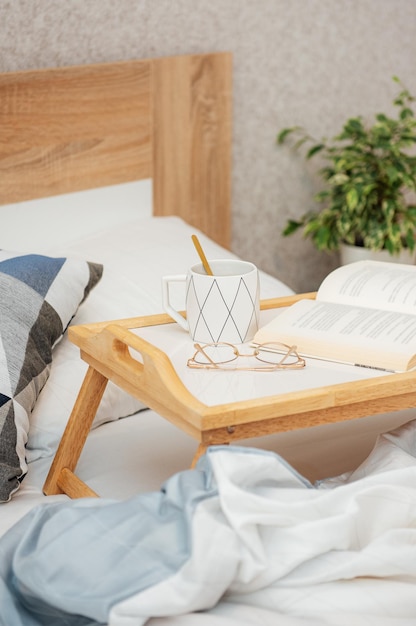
(309, 62)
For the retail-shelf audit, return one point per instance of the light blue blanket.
(243, 525)
(69, 563)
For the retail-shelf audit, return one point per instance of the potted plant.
(369, 172)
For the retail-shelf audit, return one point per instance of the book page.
(390, 286)
(357, 335)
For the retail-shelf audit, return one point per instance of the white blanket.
(243, 528)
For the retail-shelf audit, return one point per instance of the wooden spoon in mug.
(202, 255)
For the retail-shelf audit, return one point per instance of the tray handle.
(154, 380)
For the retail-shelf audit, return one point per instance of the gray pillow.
(39, 296)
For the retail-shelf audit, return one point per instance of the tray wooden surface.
(111, 348)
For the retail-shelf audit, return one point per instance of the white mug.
(223, 307)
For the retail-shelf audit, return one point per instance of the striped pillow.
(39, 296)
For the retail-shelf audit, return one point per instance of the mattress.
(131, 449)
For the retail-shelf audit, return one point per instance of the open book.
(364, 314)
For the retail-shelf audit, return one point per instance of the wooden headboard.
(169, 119)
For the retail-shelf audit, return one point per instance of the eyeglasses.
(269, 357)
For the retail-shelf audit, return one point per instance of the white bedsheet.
(137, 454)
(243, 528)
(59, 219)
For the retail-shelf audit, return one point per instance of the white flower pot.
(349, 254)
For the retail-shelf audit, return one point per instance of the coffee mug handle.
(166, 300)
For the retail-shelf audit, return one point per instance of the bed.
(105, 173)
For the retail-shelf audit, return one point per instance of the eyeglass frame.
(271, 367)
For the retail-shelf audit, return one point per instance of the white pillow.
(135, 256)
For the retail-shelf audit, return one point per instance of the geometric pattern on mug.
(233, 317)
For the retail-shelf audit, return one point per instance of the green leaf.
(389, 246)
(314, 150)
(352, 198)
(300, 142)
(338, 179)
(291, 227)
(406, 113)
(392, 173)
(281, 137)
(410, 239)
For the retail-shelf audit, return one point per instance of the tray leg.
(202, 448)
(74, 437)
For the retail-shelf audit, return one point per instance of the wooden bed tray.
(107, 346)
(169, 119)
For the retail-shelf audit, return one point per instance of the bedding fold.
(244, 527)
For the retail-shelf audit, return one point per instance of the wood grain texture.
(75, 435)
(73, 486)
(77, 128)
(155, 381)
(192, 133)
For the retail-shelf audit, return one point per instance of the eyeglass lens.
(221, 353)
(216, 353)
(277, 353)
